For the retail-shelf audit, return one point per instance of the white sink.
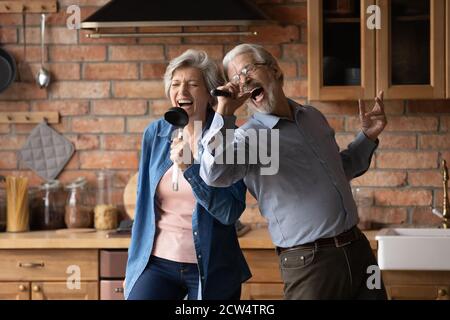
(414, 249)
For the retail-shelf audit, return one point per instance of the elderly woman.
(184, 242)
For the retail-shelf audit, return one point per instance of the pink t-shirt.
(174, 240)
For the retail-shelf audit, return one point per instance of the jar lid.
(52, 184)
(77, 183)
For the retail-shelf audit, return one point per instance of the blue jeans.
(166, 280)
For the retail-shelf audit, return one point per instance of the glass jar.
(47, 207)
(78, 213)
(2, 210)
(105, 212)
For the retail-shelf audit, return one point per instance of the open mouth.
(258, 94)
(185, 103)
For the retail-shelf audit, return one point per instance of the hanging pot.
(8, 69)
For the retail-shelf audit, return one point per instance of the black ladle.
(179, 118)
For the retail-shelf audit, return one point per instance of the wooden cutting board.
(129, 196)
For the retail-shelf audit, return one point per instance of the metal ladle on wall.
(43, 75)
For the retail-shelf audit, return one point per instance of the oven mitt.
(46, 152)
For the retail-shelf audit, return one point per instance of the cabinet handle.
(31, 264)
(36, 288)
(22, 288)
(118, 290)
(443, 295)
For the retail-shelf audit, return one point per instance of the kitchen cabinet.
(405, 57)
(447, 51)
(49, 274)
(417, 285)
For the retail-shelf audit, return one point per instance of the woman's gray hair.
(260, 54)
(199, 59)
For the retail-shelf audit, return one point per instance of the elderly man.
(308, 202)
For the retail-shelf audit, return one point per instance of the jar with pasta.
(105, 212)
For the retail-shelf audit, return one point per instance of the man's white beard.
(268, 104)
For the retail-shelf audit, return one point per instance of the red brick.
(422, 216)
(397, 141)
(160, 40)
(136, 53)
(214, 51)
(153, 70)
(14, 106)
(64, 107)
(139, 89)
(303, 73)
(216, 39)
(403, 197)
(296, 88)
(401, 124)
(381, 215)
(8, 160)
(272, 34)
(98, 125)
(431, 106)
(434, 142)
(52, 19)
(138, 125)
(425, 178)
(68, 176)
(119, 107)
(121, 142)
(11, 19)
(12, 142)
(74, 162)
(53, 35)
(289, 69)
(23, 91)
(375, 178)
(407, 160)
(78, 53)
(33, 53)
(62, 127)
(4, 128)
(109, 160)
(58, 71)
(159, 107)
(446, 156)
(81, 3)
(110, 71)
(80, 89)
(85, 142)
(337, 108)
(445, 123)
(337, 123)
(290, 14)
(8, 35)
(295, 51)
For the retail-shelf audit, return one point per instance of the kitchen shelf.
(29, 6)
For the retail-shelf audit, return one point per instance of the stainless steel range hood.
(166, 13)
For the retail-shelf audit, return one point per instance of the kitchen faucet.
(444, 215)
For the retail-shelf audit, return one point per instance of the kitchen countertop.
(255, 239)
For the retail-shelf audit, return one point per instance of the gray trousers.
(330, 272)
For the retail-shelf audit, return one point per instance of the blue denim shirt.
(222, 266)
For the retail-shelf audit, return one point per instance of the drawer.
(111, 290)
(263, 264)
(113, 263)
(262, 291)
(43, 265)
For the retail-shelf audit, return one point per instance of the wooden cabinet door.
(418, 292)
(326, 63)
(60, 291)
(14, 291)
(411, 49)
(262, 291)
(447, 52)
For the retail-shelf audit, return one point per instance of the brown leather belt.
(340, 240)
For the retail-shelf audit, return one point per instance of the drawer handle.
(31, 264)
(22, 288)
(443, 295)
(118, 290)
(36, 288)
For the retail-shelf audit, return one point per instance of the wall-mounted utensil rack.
(28, 117)
(29, 6)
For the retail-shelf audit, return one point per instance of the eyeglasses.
(246, 71)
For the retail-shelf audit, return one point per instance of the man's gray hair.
(212, 75)
(260, 54)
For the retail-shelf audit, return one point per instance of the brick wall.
(107, 91)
